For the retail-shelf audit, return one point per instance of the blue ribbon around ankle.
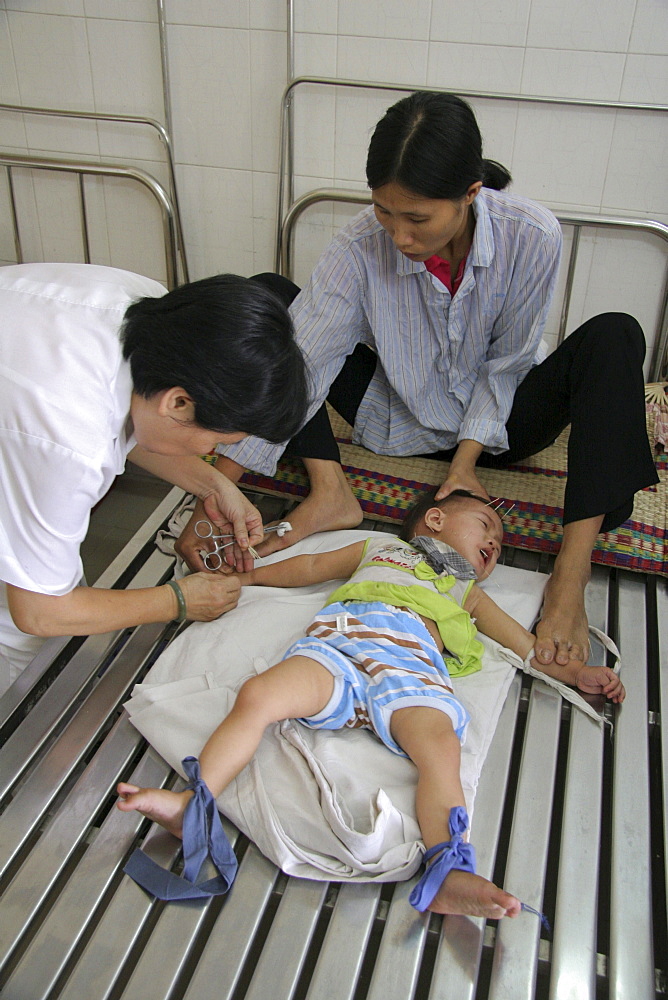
(203, 836)
(455, 853)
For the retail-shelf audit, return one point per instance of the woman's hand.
(221, 503)
(468, 482)
(209, 595)
(462, 473)
(190, 547)
(230, 511)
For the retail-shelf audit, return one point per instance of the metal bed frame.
(577, 220)
(290, 209)
(564, 813)
(169, 204)
(83, 169)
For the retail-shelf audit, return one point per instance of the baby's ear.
(434, 518)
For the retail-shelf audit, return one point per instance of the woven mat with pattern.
(386, 486)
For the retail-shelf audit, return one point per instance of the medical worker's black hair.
(425, 502)
(229, 342)
(430, 144)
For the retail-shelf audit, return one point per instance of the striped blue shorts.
(382, 658)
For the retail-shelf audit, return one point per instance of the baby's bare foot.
(472, 895)
(157, 804)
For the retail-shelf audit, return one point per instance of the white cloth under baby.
(323, 805)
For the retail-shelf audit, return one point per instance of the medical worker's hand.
(209, 595)
(230, 511)
(221, 503)
(191, 548)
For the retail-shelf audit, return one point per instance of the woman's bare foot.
(157, 804)
(470, 895)
(330, 506)
(562, 633)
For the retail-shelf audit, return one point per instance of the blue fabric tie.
(203, 836)
(455, 853)
(541, 916)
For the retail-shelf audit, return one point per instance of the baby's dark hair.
(425, 502)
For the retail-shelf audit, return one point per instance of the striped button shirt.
(448, 367)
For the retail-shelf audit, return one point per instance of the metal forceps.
(213, 560)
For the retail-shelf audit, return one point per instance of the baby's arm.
(300, 571)
(491, 620)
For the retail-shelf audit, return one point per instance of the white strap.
(569, 693)
(607, 642)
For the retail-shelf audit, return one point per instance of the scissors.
(213, 560)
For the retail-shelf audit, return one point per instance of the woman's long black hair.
(430, 144)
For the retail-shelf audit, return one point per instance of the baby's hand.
(601, 680)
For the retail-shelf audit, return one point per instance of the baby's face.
(475, 531)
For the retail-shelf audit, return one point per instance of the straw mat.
(385, 486)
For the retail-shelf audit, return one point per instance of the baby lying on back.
(379, 656)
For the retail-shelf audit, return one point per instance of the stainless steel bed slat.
(286, 945)
(573, 957)
(631, 949)
(166, 954)
(59, 842)
(78, 928)
(26, 743)
(119, 930)
(47, 956)
(574, 946)
(342, 951)
(32, 800)
(457, 964)
(516, 950)
(397, 965)
(231, 938)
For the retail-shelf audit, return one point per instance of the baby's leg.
(296, 687)
(427, 736)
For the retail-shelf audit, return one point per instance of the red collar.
(441, 269)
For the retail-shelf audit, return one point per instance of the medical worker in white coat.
(98, 365)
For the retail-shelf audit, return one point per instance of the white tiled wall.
(227, 61)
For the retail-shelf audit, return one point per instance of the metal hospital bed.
(563, 811)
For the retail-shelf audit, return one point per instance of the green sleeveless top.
(395, 573)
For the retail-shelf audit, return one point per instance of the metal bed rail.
(286, 147)
(566, 815)
(576, 220)
(288, 206)
(162, 132)
(83, 168)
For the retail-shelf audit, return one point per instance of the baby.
(379, 656)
